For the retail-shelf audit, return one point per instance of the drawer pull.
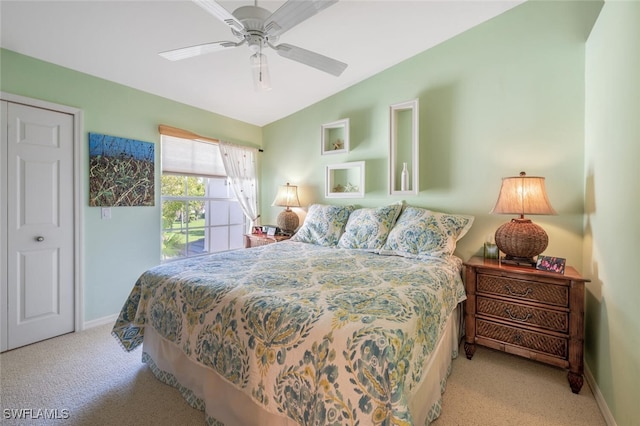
(515, 318)
(513, 293)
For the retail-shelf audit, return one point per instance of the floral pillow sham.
(367, 228)
(421, 233)
(323, 225)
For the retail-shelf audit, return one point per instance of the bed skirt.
(226, 405)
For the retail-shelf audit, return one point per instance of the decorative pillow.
(323, 225)
(422, 233)
(368, 228)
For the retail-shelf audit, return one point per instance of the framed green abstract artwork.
(121, 171)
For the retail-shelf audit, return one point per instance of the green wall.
(503, 97)
(612, 229)
(116, 251)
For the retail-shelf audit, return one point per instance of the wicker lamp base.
(521, 240)
(288, 221)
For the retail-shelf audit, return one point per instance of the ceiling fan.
(258, 28)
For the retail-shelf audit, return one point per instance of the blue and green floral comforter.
(322, 335)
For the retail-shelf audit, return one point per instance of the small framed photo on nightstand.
(551, 264)
(271, 231)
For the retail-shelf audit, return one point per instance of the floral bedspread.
(322, 335)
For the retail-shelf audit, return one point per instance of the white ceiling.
(120, 40)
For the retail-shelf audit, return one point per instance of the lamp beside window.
(520, 239)
(287, 196)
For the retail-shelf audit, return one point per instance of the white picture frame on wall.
(335, 137)
(345, 180)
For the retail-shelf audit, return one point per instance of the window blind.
(191, 157)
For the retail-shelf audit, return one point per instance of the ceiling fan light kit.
(259, 28)
(260, 70)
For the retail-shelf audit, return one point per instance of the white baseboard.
(602, 404)
(111, 319)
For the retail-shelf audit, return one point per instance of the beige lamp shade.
(523, 195)
(521, 239)
(287, 196)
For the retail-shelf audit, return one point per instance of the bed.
(353, 321)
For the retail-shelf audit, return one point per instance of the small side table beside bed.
(527, 312)
(256, 240)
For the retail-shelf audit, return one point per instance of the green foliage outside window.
(182, 220)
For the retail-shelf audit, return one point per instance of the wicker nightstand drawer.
(539, 342)
(526, 290)
(545, 318)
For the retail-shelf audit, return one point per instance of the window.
(200, 213)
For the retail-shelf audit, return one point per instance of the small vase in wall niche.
(404, 178)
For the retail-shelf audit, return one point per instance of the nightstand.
(256, 240)
(523, 311)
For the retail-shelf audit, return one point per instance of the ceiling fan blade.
(200, 49)
(221, 13)
(292, 13)
(310, 58)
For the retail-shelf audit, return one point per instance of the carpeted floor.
(498, 389)
(87, 379)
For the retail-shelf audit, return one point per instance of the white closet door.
(40, 223)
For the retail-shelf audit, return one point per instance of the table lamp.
(520, 239)
(287, 196)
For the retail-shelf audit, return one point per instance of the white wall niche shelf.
(335, 137)
(345, 180)
(403, 147)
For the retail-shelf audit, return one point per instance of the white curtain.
(240, 164)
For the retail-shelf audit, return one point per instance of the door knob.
(39, 239)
